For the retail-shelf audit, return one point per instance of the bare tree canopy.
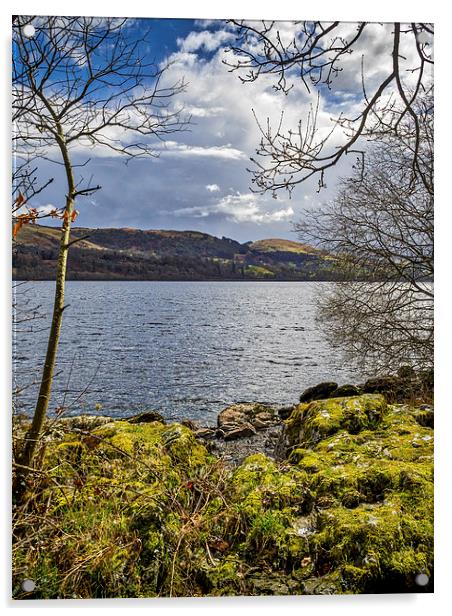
(318, 53)
(81, 76)
(379, 228)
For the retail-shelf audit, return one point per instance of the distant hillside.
(278, 245)
(133, 254)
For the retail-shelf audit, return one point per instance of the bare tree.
(82, 82)
(379, 228)
(315, 54)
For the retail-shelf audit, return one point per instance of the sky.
(200, 181)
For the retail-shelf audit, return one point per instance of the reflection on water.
(186, 349)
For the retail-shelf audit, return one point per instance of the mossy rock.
(144, 510)
(311, 422)
(145, 417)
(373, 498)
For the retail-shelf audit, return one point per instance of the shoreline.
(333, 495)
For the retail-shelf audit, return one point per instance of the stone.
(260, 424)
(242, 431)
(146, 417)
(318, 392)
(265, 416)
(84, 422)
(346, 390)
(206, 433)
(232, 414)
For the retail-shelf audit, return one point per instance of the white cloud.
(239, 208)
(172, 148)
(46, 209)
(204, 112)
(206, 40)
(223, 136)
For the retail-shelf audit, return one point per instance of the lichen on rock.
(144, 509)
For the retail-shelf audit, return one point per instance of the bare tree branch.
(315, 54)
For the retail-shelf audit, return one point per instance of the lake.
(186, 349)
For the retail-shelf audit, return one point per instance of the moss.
(372, 489)
(224, 577)
(144, 510)
(311, 422)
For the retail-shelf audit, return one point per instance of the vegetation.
(381, 224)
(143, 510)
(132, 254)
(74, 82)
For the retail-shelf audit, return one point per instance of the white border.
(347, 10)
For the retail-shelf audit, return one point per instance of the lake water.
(186, 349)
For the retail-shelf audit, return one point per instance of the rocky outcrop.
(245, 419)
(322, 390)
(166, 510)
(405, 386)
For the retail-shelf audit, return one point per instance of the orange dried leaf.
(17, 228)
(20, 200)
(74, 215)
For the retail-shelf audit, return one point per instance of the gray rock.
(84, 422)
(260, 424)
(318, 392)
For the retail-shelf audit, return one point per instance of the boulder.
(241, 431)
(84, 422)
(236, 413)
(259, 424)
(264, 420)
(206, 433)
(346, 390)
(382, 384)
(188, 423)
(318, 392)
(146, 417)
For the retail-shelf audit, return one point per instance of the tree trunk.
(33, 434)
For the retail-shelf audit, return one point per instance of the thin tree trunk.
(33, 434)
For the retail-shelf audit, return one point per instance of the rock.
(246, 412)
(145, 417)
(243, 430)
(425, 416)
(318, 392)
(346, 390)
(314, 421)
(233, 414)
(265, 416)
(188, 423)
(271, 584)
(206, 433)
(382, 384)
(261, 425)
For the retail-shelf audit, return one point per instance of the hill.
(134, 254)
(279, 245)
